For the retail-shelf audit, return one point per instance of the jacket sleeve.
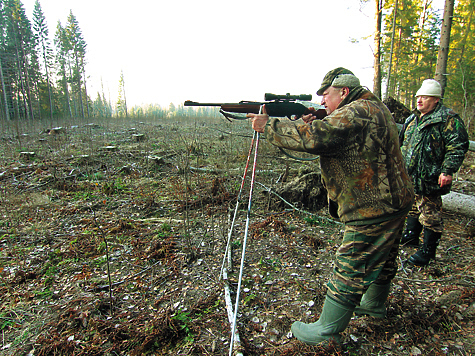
(456, 145)
(402, 131)
(331, 133)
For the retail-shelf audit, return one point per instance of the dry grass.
(152, 212)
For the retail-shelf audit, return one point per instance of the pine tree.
(121, 100)
(411, 50)
(18, 47)
(4, 100)
(62, 60)
(460, 90)
(377, 52)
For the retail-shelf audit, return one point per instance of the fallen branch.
(107, 286)
(269, 190)
(233, 134)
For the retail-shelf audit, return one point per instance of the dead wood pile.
(399, 111)
(305, 191)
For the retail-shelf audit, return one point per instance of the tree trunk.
(377, 50)
(392, 49)
(79, 84)
(443, 54)
(7, 111)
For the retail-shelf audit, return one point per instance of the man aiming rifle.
(368, 190)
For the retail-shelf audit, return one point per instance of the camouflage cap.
(332, 75)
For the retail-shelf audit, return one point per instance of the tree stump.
(156, 160)
(110, 148)
(138, 137)
(27, 156)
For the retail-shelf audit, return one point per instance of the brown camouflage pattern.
(428, 209)
(361, 162)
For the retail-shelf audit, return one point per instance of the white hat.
(430, 87)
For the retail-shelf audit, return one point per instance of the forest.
(43, 75)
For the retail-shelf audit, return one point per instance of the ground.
(113, 237)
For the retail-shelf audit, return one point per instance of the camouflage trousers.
(368, 254)
(428, 209)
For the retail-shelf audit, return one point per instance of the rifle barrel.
(194, 103)
(242, 107)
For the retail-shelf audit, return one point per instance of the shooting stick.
(227, 253)
(233, 316)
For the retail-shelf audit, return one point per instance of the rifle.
(290, 106)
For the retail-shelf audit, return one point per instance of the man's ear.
(344, 92)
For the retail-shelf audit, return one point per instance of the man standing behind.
(434, 143)
(368, 190)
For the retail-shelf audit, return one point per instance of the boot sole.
(417, 263)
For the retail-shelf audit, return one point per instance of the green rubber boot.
(333, 320)
(373, 300)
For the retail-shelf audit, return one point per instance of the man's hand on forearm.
(259, 121)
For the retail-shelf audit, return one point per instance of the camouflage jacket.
(360, 158)
(433, 144)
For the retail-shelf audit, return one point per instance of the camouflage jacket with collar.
(433, 144)
(360, 157)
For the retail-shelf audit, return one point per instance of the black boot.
(427, 251)
(410, 235)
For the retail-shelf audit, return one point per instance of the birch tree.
(409, 47)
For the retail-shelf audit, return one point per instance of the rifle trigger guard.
(297, 158)
(225, 114)
(230, 116)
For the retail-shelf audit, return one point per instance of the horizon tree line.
(44, 76)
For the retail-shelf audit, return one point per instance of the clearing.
(145, 207)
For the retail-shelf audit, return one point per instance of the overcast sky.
(216, 50)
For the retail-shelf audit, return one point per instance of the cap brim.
(322, 89)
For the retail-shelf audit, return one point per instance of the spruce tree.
(43, 44)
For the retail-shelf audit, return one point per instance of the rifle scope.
(303, 97)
